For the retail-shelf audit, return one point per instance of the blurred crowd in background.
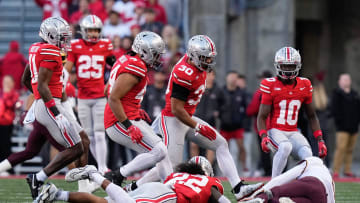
(231, 108)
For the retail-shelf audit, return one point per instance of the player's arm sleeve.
(309, 88)
(179, 92)
(265, 88)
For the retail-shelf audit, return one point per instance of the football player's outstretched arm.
(122, 86)
(216, 196)
(26, 78)
(264, 111)
(177, 108)
(313, 120)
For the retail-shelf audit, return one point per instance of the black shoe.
(115, 177)
(34, 185)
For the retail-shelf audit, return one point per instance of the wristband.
(263, 131)
(317, 133)
(126, 123)
(50, 103)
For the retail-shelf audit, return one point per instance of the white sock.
(97, 178)
(5, 165)
(41, 176)
(150, 176)
(62, 195)
(100, 151)
(118, 194)
(280, 158)
(227, 164)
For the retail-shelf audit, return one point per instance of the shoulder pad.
(75, 41)
(266, 84)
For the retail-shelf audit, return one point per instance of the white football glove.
(64, 124)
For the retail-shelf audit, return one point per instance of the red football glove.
(135, 134)
(205, 131)
(144, 116)
(264, 144)
(322, 149)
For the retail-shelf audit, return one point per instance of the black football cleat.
(115, 177)
(34, 185)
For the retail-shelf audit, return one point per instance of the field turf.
(16, 190)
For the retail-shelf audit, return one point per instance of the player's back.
(132, 99)
(189, 77)
(286, 101)
(191, 188)
(90, 59)
(46, 56)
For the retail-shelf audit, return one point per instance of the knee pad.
(304, 152)
(285, 147)
(159, 151)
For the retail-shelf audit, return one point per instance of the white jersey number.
(292, 109)
(91, 68)
(194, 184)
(33, 70)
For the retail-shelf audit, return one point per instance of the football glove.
(264, 144)
(144, 116)
(205, 131)
(135, 134)
(322, 149)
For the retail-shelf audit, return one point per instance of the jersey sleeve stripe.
(263, 86)
(46, 53)
(183, 81)
(266, 91)
(137, 68)
(57, 51)
(130, 69)
(50, 60)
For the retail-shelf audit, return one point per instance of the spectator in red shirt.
(13, 63)
(97, 8)
(159, 10)
(8, 99)
(83, 11)
(53, 8)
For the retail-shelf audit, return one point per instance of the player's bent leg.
(304, 152)
(301, 147)
(281, 157)
(85, 117)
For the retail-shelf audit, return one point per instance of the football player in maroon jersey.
(282, 97)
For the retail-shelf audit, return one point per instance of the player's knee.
(285, 147)
(304, 152)
(159, 151)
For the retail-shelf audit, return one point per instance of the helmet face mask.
(90, 28)
(202, 52)
(56, 31)
(149, 46)
(287, 63)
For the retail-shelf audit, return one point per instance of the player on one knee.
(282, 97)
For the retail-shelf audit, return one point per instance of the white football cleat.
(47, 194)
(286, 200)
(246, 190)
(87, 186)
(255, 200)
(81, 173)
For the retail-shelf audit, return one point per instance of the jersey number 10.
(292, 109)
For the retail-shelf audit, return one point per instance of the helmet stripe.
(211, 44)
(287, 53)
(93, 19)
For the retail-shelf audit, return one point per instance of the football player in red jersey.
(45, 66)
(192, 182)
(185, 88)
(123, 116)
(282, 97)
(89, 56)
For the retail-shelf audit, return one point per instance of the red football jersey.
(193, 188)
(132, 100)
(286, 101)
(47, 56)
(89, 60)
(189, 77)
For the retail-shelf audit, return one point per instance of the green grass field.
(16, 190)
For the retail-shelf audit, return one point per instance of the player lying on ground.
(282, 97)
(185, 88)
(191, 183)
(309, 181)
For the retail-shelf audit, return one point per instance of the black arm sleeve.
(179, 92)
(110, 60)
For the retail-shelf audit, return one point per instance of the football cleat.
(115, 177)
(80, 173)
(34, 185)
(243, 190)
(47, 194)
(130, 187)
(286, 200)
(255, 200)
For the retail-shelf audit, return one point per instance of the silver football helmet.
(202, 52)
(287, 56)
(204, 163)
(56, 31)
(149, 46)
(91, 22)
